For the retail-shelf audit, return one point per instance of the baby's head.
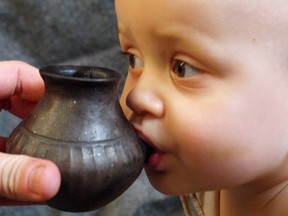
(208, 88)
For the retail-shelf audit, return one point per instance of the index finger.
(21, 79)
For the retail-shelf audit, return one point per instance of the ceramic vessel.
(80, 126)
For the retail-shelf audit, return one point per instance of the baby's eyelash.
(124, 53)
(127, 55)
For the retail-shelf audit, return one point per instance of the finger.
(20, 107)
(4, 201)
(21, 79)
(28, 179)
(8, 202)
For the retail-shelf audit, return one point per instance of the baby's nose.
(144, 101)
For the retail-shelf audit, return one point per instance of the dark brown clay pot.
(80, 126)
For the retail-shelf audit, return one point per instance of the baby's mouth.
(148, 150)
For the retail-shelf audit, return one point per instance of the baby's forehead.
(250, 18)
(256, 9)
(251, 15)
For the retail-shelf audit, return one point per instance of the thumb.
(28, 179)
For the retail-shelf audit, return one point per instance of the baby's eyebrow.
(172, 33)
(121, 28)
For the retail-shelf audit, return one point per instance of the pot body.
(80, 126)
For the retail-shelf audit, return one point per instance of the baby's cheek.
(123, 105)
(122, 101)
(127, 105)
(126, 90)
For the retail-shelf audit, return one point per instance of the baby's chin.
(161, 181)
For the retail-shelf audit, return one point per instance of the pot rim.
(80, 73)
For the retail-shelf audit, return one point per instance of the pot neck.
(74, 81)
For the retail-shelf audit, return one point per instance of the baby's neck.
(242, 201)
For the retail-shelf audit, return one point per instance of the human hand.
(23, 179)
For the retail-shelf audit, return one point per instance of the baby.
(207, 88)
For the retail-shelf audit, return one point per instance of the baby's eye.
(134, 61)
(182, 69)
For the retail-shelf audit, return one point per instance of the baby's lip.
(149, 148)
(148, 151)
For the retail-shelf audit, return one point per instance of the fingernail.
(34, 178)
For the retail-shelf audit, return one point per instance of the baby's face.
(208, 88)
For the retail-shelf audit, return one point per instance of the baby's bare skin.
(208, 88)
